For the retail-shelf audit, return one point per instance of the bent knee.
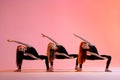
(109, 57)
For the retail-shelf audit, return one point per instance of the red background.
(24, 20)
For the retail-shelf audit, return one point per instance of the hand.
(74, 34)
(71, 57)
(43, 35)
(10, 40)
(104, 58)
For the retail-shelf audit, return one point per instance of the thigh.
(93, 58)
(60, 57)
(107, 56)
(28, 58)
(42, 57)
(73, 55)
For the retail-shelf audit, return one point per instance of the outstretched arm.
(27, 54)
(50, 39)
(18, 42)
(83, 39)
(57, 53)
(91, 53)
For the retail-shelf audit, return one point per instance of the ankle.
(107, 70)
(78, 69)
(18, 70)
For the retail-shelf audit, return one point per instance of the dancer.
(57, 51)
(27, 52)
(88, 48)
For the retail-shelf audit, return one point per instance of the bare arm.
(57, 53)
(27, 54)
(91, 53)
(50, 39)
(18, 42)
(82, 39)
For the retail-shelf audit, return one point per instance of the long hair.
(50, 52)
(81, 55)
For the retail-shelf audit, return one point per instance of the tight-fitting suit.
(28, 53)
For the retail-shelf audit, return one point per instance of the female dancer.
(27, 52)
(87, 47)
(56, 51)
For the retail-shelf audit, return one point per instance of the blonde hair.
(49, 54)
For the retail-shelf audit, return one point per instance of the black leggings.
(64, 57)
(20, 56)
(97, 58)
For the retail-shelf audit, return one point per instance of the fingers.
(42, 35)
(9, 40)
(74, 34)
(104, 57)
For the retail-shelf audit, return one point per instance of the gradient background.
(24, 20)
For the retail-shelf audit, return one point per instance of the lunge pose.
(57, 51)
(27, 52)
(88, 48)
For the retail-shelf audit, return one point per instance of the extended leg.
(108, 62)
(78, 68)
(97, 58)
(46, 60)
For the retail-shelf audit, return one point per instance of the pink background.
(24, 20)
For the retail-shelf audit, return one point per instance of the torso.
(61, 49)
(93, 49)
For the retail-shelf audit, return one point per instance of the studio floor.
(60, 74)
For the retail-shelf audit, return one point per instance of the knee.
(109, 57)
